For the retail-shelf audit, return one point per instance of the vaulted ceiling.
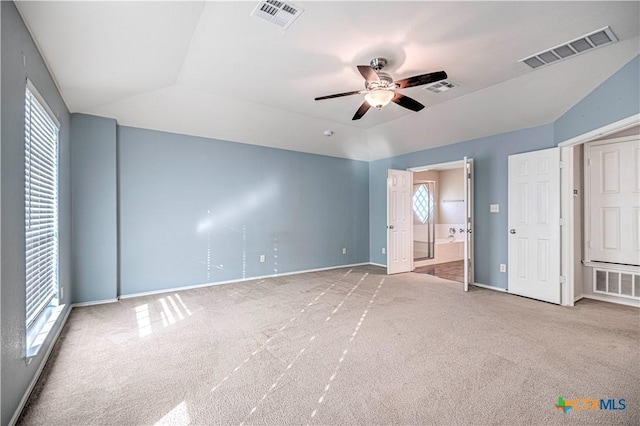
(211, 69)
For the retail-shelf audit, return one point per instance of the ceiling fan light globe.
(379, 98)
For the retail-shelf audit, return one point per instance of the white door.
(468, 208)
(399, 219)
(613, 174)
(534, 225)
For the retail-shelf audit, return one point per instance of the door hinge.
(563, 279)
(561, 164)
(562, 222)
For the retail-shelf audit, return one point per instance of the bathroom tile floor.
(453, 271)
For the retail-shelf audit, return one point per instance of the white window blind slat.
(41, 207)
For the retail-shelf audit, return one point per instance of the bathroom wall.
(451, 197)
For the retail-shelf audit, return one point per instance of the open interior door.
(534, 225)
(468, 208)
(399, 217)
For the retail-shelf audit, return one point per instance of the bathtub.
(445, 251)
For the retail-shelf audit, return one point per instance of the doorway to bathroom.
(442, 214)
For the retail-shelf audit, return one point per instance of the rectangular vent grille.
(277, 12)
(616, 283)
(582, 44)
(440, 86)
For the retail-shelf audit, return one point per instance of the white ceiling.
(210, 69)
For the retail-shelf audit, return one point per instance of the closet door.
(613, 176)
(534, 225)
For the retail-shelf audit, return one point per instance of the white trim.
(191, 287)
(626, 302)
(613, 267)
(95, 302)
(586, 212)
(618, 126)
(567, 234)
(490, 287)
(27, 393)
(44, 103)
(605, 141)
(378, 264)
(438, 166)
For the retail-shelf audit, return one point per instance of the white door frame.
(468, 222)
(454, 165)
(567, 211)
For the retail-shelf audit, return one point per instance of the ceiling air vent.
(574, 47)
(441, 86)
(277, 12)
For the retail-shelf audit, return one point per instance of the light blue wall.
(195, 210)
(490, 187)
(16, 40)
(617, 98)
(94, 208)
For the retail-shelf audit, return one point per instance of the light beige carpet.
(343, 347)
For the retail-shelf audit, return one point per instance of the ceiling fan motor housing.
(385, 81)
(378, 63)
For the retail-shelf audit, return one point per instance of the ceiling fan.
(380, 88)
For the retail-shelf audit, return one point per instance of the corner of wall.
(94, 208)
(615, 99)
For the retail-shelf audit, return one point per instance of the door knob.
(513, 231)
(390, 227)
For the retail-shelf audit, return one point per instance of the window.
(423, 203)
(41, 212)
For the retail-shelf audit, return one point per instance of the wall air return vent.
(616, 282)
(440, 86)
(277, 12)
(579, 45)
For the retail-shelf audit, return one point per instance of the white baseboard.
(625, 302)
(95, 302)
(378, 264)
(27, 393)
(191, 287)
(490, 287)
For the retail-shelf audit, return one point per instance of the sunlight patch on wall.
(238, 207)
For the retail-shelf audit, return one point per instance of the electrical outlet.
(344, 250)
(503, 267)
(384, 250)
(494, 208)
(262, 258)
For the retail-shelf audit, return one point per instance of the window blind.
(41, 207)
